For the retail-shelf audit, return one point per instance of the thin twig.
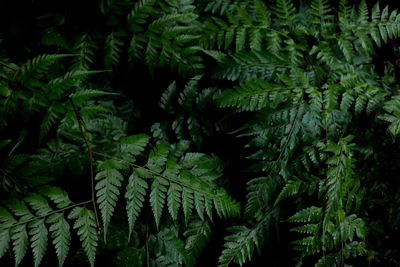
(50, 213)
(90, 154)
(9, 66)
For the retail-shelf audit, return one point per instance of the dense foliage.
(192, 132)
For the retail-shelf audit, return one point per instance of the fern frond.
(310, 214)
(69, 79)
(82, 96)
(157, 197)
(320, 10)
(86, 51)
(57, 195)
(197, 234)
(174, 200)
(240, 244)
(135, 195)
(291, 188)
(113, 48)
(38, 240)
(285, 12)
(392, 107)
(254, 95)
(107, 192)
(6, 220)
(187, 203)
(37, 66)
(135, 144)
(85, 224)
(246, 66)
(61, 235)
(19, 237)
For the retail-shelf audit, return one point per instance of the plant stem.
(8, 66)
(90, 154)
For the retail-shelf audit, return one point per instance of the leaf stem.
(9, 66)
(90, 154)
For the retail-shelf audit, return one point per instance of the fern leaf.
(285, 11)
(4, 241)
(113, 51)
(199, 204)
(69, 79)
(174, 200)
(251, 96)
(158, 158)
(85, 223)
(37, 66)
(135, 195)
(57, 195)
(38, 203)
(20, 242)
(320, 10)
(86, 50)
(290, 189)
(107, 193)
(38, 240)
(81, 97)
(157, 197)
(239, 246)
(134, 144)
(310, 214)
(53, 115)
(187, 203)
(240, 39)
(6, 220)
(60, 233)
(197, 234)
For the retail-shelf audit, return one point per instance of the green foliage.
(285, 98)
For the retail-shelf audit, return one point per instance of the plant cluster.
(132, 127)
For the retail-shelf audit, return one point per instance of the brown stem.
(8, 66)
(90, 154)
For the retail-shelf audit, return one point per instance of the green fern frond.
(291, 188)
(19, 237)
(310, 214)
(61, 235)
(253, 96)
(285, 12)
(246, 66)
(82, 96)
(392, 107)
(135, 196)
(38, 233)
(135, 144)
(69, 79)
(107, 192)
(113, 49)
(320, 10)
(86, 50)
(239, 246)
(197, 234)
(85, 224)
(157, 197)
(57, 195)
(158, 158)
(174, 200)
(37, 66)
